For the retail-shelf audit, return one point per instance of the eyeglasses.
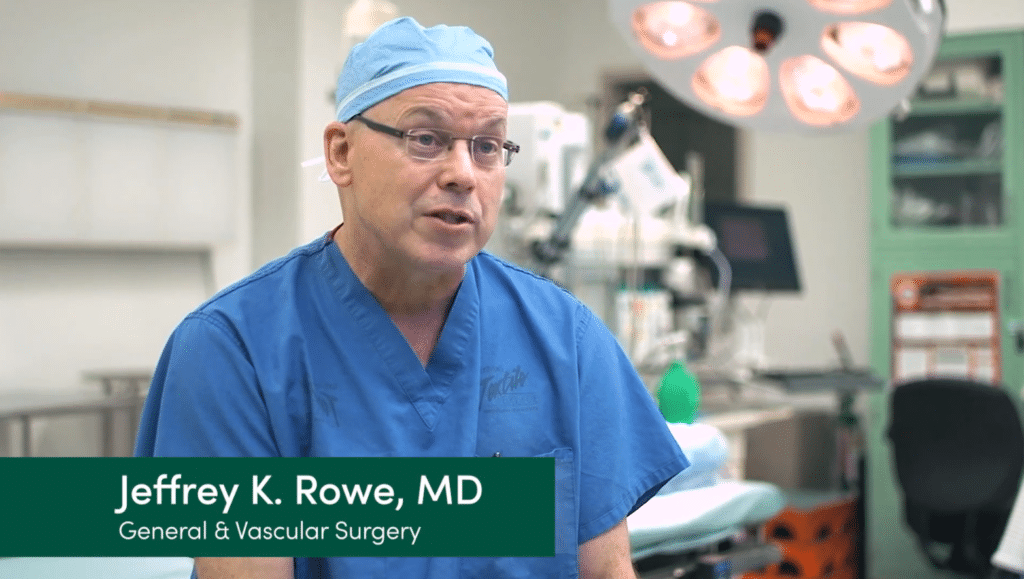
(432, 144)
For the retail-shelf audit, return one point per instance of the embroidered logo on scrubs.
(327, 405)
(503, 390)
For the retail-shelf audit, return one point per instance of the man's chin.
(444, 260)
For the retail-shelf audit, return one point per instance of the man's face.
(431, 215)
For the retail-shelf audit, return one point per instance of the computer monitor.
(756, 242)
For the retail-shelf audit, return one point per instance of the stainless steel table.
(131, 384)
(122, 390)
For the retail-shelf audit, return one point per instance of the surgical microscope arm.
(622, 131)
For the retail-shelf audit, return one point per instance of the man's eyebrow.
(431, 115)
(496, 123)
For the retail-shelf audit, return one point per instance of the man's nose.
(459, 168)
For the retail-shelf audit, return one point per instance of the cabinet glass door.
(947, 154)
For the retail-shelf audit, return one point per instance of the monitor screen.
(756, 241)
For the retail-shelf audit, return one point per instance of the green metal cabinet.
(947, 194)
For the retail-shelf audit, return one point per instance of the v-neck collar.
(426, 388)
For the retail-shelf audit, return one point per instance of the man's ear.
(337, 151)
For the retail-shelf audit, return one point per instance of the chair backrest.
(957, 444)
(958, 449)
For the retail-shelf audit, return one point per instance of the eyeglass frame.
(509, 147)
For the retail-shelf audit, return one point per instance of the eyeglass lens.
(429, 144)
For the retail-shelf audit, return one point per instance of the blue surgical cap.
(402, 54)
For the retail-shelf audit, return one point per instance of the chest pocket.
(564, 564)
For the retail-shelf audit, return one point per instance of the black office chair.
(958, 448)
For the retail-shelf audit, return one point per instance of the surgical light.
(849, 6)
(674, 29)
(816, 93)
(785, 65)
(872, 51)
(734, 80)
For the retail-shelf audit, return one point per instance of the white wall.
(275, 38)
(322, 53)
(135, 51)
(68, 310)
(824, 183)
(977, 15)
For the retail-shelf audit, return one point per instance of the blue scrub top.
(299, 359)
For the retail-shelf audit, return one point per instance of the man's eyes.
(426, 138)
(488, 146)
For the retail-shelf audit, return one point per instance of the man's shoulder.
(266, 286)
(518, 292)
(503, 276)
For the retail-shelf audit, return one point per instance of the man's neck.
(417, 302)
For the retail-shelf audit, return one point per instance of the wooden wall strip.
(48, 104)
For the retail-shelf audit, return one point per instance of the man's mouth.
(451, 217)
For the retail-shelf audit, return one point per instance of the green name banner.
(286, 507)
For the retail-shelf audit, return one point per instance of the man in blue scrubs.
(394, 335)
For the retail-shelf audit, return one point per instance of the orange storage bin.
(817, 525)
(809, 562)
(819, 542)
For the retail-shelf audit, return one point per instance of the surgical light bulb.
(671, 30)
(849, 6)
(873, 52)
(815, 92)
(734, 80)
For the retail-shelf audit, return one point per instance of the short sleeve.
(627, 451)
(205, 399)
